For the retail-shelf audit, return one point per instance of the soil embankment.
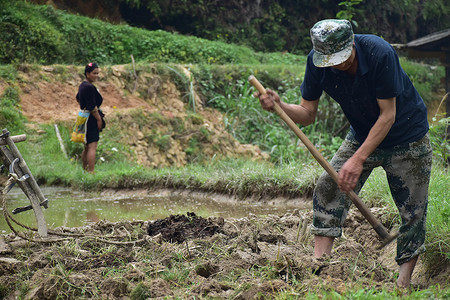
(153, 116)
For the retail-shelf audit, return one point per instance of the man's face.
(346, 64)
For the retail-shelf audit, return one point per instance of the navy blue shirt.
(379, 75)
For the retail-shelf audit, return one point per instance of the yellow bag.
(79, 130)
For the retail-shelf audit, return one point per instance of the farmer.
(90, 99)
(389, 128)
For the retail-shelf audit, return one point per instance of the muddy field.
(190, 257)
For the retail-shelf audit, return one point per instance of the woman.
(90, 99)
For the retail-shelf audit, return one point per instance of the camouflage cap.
(332, 42)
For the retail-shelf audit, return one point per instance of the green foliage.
(41, 34)
(439, 140)
(10, 115)
(140, 292)
(438, 225)
(426, 78)
(8, 72)
(185, 84)
(3, 291)
(27, 34)
(163, 142)
(278, 26)
(348, 10)
(248, 123)
(220, 21)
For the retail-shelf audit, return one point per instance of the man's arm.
(303, 113)
(352, 169)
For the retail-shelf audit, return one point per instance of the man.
(389, 128)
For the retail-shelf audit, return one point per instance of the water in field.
(71, 208)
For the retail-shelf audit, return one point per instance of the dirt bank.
(150, 111)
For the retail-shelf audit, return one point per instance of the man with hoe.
(389, 128)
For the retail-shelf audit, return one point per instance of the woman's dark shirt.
(88, 96)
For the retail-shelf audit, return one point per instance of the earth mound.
(178, 228)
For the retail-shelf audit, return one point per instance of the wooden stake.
(61, 144)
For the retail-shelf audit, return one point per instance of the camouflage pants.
(408, 169)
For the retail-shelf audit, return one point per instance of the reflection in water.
(92, 216)
(72, 208)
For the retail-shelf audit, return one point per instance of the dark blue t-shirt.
(379, 75)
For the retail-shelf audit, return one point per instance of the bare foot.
(405, 273)
(322, 245)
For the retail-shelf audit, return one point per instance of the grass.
(361, 293)
(230, 176)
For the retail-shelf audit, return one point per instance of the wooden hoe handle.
(376, 224)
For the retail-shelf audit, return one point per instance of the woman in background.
(90, 100)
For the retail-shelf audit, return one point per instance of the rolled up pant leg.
(408, 173)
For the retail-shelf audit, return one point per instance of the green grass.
(231, 176)
(361, 293)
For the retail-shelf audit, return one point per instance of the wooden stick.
(61, 144)
(135, 75)
(15, 139)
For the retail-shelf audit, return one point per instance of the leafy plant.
(426, 78)
(187, 85)
(439, 140)
(10, 114)
(348, 11)
(249, 123)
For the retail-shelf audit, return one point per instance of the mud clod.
(178, 228)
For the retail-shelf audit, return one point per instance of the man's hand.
(352, 169)
(349, 174)
(267, 100)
